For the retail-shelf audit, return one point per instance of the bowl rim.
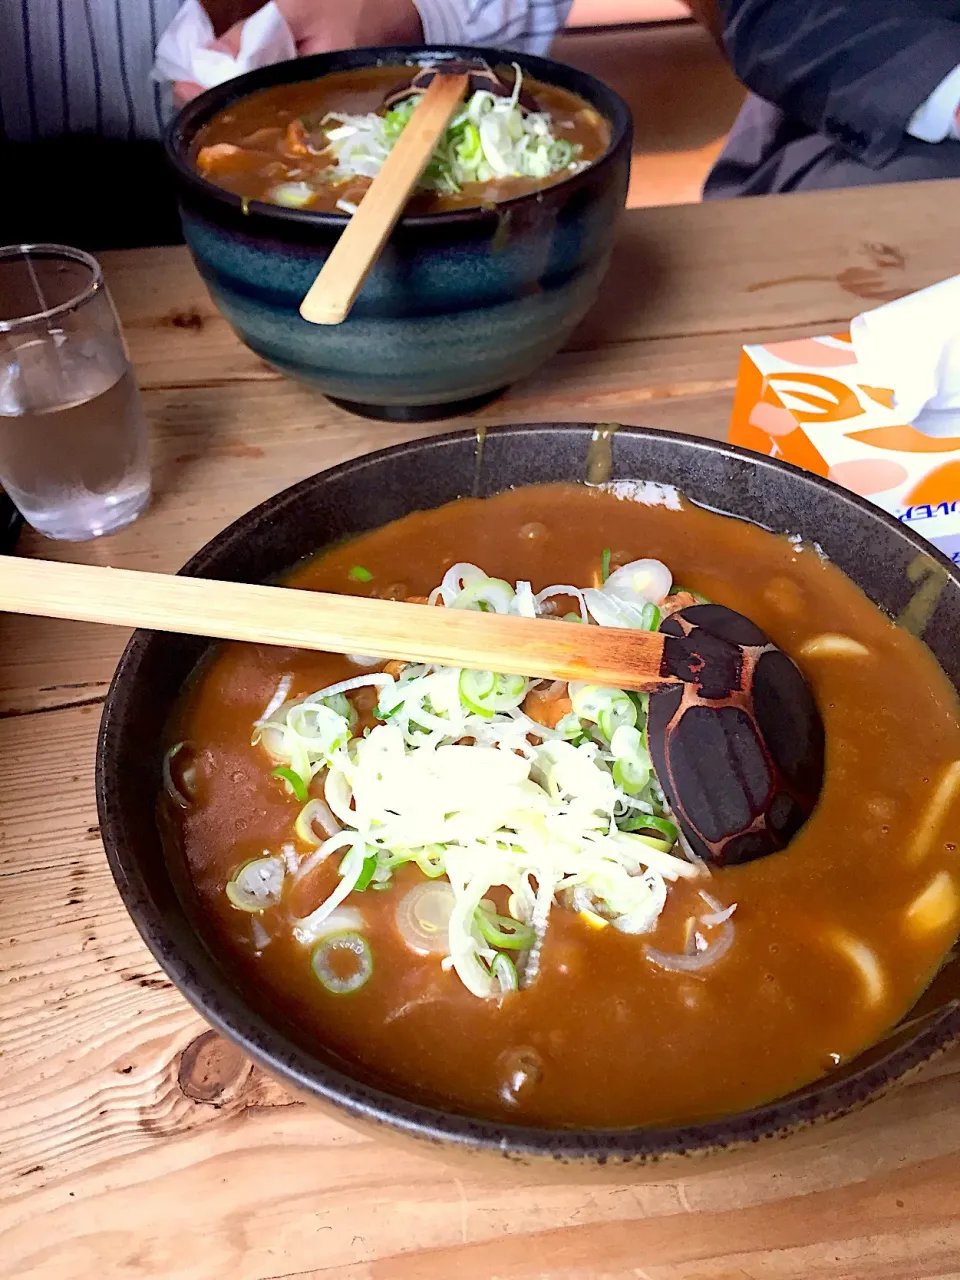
(224, 1008)
(182, 129)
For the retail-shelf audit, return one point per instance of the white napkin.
(184, 52)
(913, 346)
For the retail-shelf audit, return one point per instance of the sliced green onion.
(649, 617)
(344, 947)
(604, 564)
(169, 785)
(561, 153)
(423, 917)
(625, 743)
(488, 137)
(430, 860)
(366, 875)
(666, 828)
(469, 148)
(608, 708)
(630, 775)
(293, 195)
(489, 595)
(570, 726)
(293, 780)
(257, 884)
(486, 692)
(395, 120)
(532, 814)
(642, 702)
(649, 822)
(305, 734)
(504, 971)
(631, 763)
(652, 842)
(359, 574)
(474, 687)
(619, 713)
(398, 857)
(340, 704)
(588, 700)
(504, 931)
(304, 828)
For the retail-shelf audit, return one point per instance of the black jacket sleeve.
(853, 69)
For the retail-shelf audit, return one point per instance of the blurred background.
(682, 93)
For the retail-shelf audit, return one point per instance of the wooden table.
(133, 1142)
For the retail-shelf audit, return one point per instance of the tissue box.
(806, 401)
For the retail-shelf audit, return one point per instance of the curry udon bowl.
(460, 304)
(894, 568)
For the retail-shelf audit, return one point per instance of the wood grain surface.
(261, 613)
(134, 1142)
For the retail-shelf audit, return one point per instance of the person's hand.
(319, 26)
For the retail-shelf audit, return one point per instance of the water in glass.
(73, 439)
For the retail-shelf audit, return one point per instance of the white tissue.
(913, 346)
(184, 53)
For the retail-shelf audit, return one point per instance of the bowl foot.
(417, 412)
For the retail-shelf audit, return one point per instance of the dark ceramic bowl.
(460, 304)
(891, 564)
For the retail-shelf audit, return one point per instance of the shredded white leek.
(457, 779)
(280, 696)
(490, 137)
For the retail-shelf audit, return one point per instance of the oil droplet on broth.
(785, 596)
(881, 807)
(185, 771)
(520, 1070)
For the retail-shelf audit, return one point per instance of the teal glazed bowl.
(460, 304)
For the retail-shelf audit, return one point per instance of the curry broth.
(602, 1037)
(256, 128)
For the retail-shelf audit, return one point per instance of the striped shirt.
(83, 66)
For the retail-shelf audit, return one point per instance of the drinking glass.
(73, 438)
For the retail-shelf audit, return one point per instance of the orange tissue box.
(806, 401)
